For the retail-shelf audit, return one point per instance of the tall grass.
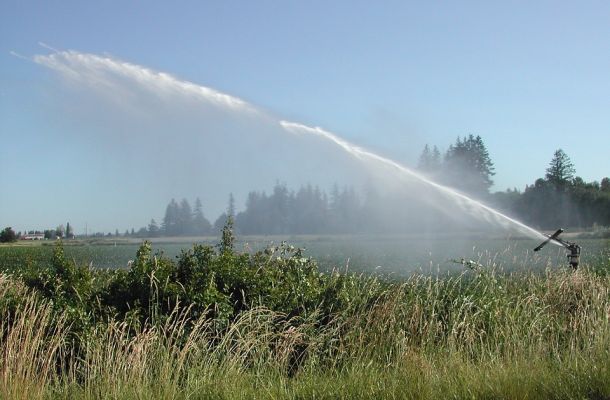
(476, 335)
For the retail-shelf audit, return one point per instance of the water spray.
(98, 71)
(573, 248)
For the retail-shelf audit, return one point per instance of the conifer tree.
(560, 171)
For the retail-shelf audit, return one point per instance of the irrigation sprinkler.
(573, 248)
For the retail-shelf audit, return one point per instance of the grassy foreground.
(216, 324)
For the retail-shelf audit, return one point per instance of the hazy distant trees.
(466, 165)
(153, 228)
(201, 226)
(306, 211)
(170, 220)
(181, 220)
(560, 199)
(223, 218)
(430, 161)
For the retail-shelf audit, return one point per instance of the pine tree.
(170, 221)
(69, 231)
(201, 226)
(425, 159)
(435, 160)
(153, 228)
(185, 218)
(468, 166)
(222, 220)
(560, 171)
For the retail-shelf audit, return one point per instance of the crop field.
(397, 255)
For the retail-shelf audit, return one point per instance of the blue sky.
(529, 77)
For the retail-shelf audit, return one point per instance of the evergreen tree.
(170, 221)
(222, 220)
(185, 218)
(468, 166)
(425, 159)
(430, 160)
(201, 226)
(435, 160)
(560, 171)
(153, 228)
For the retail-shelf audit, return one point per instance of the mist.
(149, 137)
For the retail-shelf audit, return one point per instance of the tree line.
(559, 199)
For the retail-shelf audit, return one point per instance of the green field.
(400, 255)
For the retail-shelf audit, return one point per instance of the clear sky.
(529, 77)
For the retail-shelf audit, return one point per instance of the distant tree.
(69, 231)
(116, 233)
(468, 166)
(153, 228)
(231, 206)
(60, 230)
(126, 233)
(222, 220)
(133, 232)
(435, 160)
(50, 234)
(605, 185)
(345, 210)
(253, 220)
(8, 235)
(560, 171)
(170, 221)
(430, 160)
(201, 226)
(185, 218)
(425, 159)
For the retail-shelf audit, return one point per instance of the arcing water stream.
(459, 197)
(102, 73)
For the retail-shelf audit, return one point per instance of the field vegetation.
(217, 323)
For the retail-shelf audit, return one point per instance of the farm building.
(33, 236)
